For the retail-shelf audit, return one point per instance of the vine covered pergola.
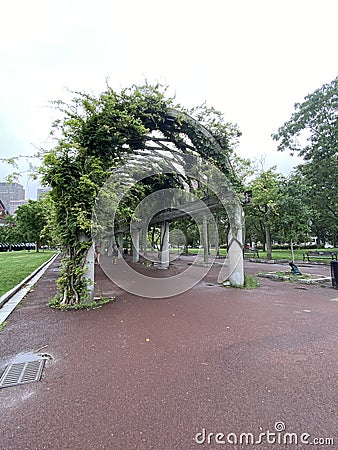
(98, 137)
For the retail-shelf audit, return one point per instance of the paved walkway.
(152, 373)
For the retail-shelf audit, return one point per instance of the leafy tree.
(312, 132)
(293, 215)
(30, 220)
(315, 120)
(263, 211)
(321, 179)
(9, 232)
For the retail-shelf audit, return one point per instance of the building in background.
(41, 192)
(14, 204)
(11, 192)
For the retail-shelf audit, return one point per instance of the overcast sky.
(250, 59)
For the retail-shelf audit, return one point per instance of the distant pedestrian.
(115, 253)
(97, 254)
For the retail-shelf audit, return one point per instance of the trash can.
(334, 274)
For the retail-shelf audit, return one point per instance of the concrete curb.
(9, 294)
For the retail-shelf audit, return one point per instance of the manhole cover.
(22, 372)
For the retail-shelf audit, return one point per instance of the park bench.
(251, 251)
(320, 255)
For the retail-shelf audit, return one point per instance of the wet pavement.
(144, 373)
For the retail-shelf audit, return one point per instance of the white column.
(89, 267)
(120, 244)
(216, 240)
(144, 241)
(110, 245)
(103, 247)
(165, 245)
(235, 243)
(205, 239)
(136, 245)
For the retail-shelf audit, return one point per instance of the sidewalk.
(152, 373)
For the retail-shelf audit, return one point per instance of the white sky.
(250, 59)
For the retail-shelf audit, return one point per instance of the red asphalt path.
(149, 374)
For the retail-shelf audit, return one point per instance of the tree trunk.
(263, 231)
(75, 282)
(292, 251)
(268, 240)
(217, 244)
(227, 236)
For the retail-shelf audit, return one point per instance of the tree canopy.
(30, 220)
(312, 132)
(260, 215)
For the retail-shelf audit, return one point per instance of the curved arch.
(178, 115)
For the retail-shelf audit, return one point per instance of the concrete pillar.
(165, 245)
(205, 239)
(144, 241)
(235, 252)
(120, 245)
(110, 245)
(103, 247)
(216, 243)
(90, 271)
(136, 244)
(89, 267)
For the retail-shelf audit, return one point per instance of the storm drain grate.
(20, 373)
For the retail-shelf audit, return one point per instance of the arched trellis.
(175, 128)
(97, 134)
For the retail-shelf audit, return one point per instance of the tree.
(321, 179)
(293, 215)
(312, 132)
(30, 220)
(261, 214)
(9, 232)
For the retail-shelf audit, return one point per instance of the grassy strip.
(16, 266)
(276, 254)
(286, 254)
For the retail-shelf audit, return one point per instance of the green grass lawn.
(286, 254)
(16, 266)
(276, 254)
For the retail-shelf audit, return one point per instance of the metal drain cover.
(22, 372)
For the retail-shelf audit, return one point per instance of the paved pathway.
(152, 373)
